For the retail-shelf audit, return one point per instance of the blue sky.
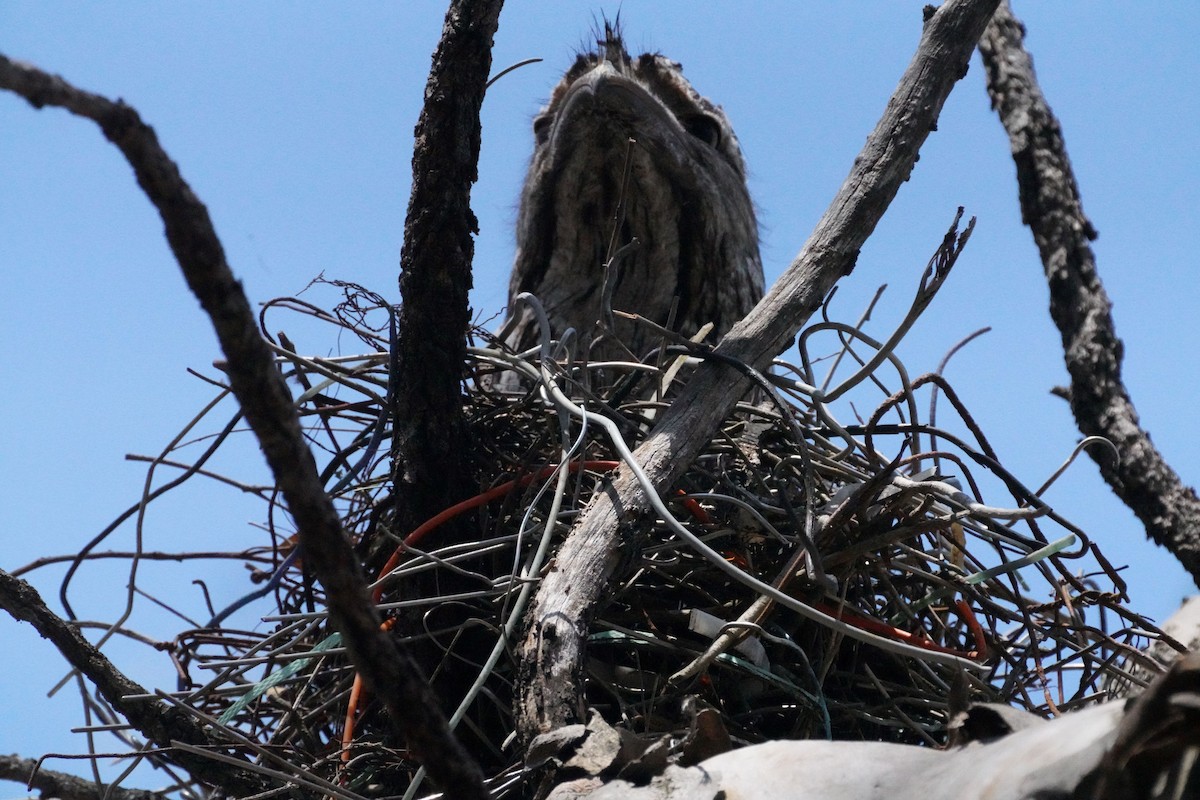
(293, 122)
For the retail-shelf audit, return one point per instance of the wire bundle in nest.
(810, 579)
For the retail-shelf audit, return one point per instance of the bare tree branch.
(159, 723)
(430, 435)
(389, 672)
(552, 654)
(49, 783)
(1079, 306)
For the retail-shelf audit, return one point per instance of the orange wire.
(453, 511)
(842, 613)
(964, 609)
(880, 628)
(357, 691)
(696, 510)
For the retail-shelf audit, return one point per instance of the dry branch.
(552, 653)
(160, 724)
(267, 403)
(1079, 306)
(51, 783)
(430, 436)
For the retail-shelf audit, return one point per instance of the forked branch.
(160, 725)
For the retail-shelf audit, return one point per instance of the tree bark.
(159, 723)
(430, 441)
(552, 654)
(50, 783)
(1079, 306)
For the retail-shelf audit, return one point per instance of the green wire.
(277, 677)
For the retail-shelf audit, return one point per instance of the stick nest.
(944, 575)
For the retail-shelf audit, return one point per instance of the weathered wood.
(552, 654)
(1116, 751)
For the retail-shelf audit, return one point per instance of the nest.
(905, 565)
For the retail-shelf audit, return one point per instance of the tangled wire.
(807, 577)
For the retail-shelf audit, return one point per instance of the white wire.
(560, 400)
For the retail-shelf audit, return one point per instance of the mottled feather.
(627, 149)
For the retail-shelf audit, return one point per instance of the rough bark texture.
(627, 150)
(390, 673)
(435, 269)
(1157, 743)
(50, 783)
(552, 655)
(1079, 306)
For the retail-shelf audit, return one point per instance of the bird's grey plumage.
(626, 149)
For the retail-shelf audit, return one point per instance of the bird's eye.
(541, 128)
(704, 128)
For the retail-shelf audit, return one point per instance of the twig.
(45, 561)
(95, 541)
(150, 717)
